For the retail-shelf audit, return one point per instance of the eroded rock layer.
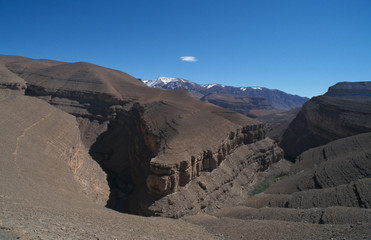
(335, 175)
(228, 185)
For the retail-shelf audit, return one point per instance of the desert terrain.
(93, 153)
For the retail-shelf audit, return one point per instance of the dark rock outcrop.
(326, 118)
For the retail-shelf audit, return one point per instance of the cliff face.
(150, 142)
(228, 185)
(337, 114)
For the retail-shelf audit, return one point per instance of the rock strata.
(351, 90)
(229, 184)
(334, 175)
(326, 118)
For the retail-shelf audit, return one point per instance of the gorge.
(78, 137)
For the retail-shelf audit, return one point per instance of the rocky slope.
(33, 158)
(150, 142)
(325, 195)
(333, 175)
(337, 114)
(277, 99)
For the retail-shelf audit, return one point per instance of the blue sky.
(301, 47)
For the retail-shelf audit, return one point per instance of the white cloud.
(188, 59)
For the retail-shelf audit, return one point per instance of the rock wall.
(166, 179)
(228, 185)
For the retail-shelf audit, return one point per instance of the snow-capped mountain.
(176, 83)
(278, 99)
(162, 81)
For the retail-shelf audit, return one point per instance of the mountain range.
(279, 100)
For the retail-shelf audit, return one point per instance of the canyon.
(84, 145)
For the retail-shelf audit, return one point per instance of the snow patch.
(243, 88)
(167, 80)
(209, 85)
(257, 88)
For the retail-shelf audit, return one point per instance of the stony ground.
(234, 228)
(22, 220)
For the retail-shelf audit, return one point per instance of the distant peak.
(167, 80)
